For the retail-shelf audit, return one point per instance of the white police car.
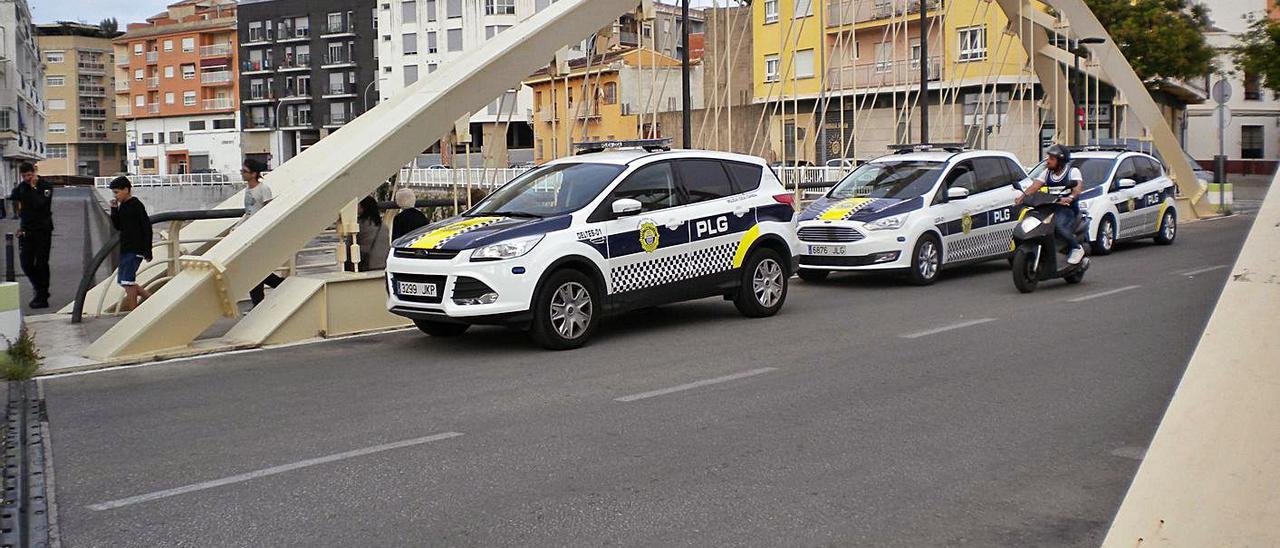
(561, 245)
(919, 210)
(1127, 196)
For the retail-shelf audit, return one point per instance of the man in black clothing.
(33, 198)
(129, 216)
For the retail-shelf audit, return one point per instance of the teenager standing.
(129, 216)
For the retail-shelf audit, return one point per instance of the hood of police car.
(859, 209)
(461, 233)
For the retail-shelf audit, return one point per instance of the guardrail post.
(9, 274)
(175, 247)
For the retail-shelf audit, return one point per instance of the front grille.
(836, 234)
(438, 281)
(437, 254)
(823, 260)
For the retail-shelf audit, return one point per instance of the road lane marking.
(238, 478)
(1203, 270)
(697, 384)
(1103, 294)
(946, 328)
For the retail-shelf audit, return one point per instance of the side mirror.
(626, 206)
(957, 193)
(1127, 183)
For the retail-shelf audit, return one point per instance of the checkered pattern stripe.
(980, 245)
(1140, 223)
(665, 270)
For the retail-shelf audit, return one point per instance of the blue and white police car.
(917, 211)
(568, 242)
(1127, 195)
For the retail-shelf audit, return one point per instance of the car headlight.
(887, 223)
(509, 249)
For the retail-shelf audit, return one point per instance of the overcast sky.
(127, 11)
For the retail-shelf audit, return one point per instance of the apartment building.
(417, 37)
(22, 118)
(84, 138)
(612, 96)
(176, 89)
(307, 67)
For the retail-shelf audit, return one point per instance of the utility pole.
(924, 74)
(685, 80)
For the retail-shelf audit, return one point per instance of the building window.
(137, 75)
(493, 30)
(335, 22)
(804, 8)
(1252, 142)
(188, 98)
(1252, 87)
(453, 39)
(770, 11)
(409, 11)
(168, 71)
(453, 9)
(973, 43)
(176, 138)
(431, 67)
(57, 104)
(168, 45)
(188, 72)
(168, 97)
(55, 81)
(148, 138)
(499, 7)
(195, 125)
(804, 63)
(431, 43)
(410, 43)
(139, 100)
(224, 123)
(54, 56)
(410, 74)
(431, 10)
(610, 94)
(771, 68)
(55, 150)
(57, 127)
(188, 45)
(148, 163)
(137, 49)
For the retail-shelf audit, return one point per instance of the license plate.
(826, 250)
(416, 289)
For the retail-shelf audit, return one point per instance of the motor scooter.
(1038, 253)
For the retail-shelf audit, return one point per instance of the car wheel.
(926, 261)
(566, 311)
(1106, 240)
(441, 329)
(810, 275)
(764, 284)
(1168, 228)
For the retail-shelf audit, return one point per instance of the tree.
(1162, 39)
(109, 26)
(1258, 52)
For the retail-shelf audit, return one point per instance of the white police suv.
(565, 243)
(919, 210)
(1127, 196)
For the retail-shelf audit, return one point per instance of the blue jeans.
(127, 273)
(1064, 223)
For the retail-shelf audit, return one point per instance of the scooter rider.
(1061, 178)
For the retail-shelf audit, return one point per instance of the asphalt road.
(66, 254)
(867, 413)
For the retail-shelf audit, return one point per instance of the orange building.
(176, 87)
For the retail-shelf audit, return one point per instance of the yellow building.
(83, 137)
(842, 76)
(609, 97)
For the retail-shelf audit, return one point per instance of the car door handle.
(674, 224)
(741, 212)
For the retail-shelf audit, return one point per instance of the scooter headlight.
(1030, 223)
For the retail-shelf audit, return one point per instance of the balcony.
(92, 135)
(339, 90)
(258, 124)
(216, 78)
(257, 36)
(122, 61)
(92, 91)
(219, 103)
(122, 86)
(337, 119)
(888, 73)
(336, 61)
(258, 97)
(91, 113)
(289, 34)
(153, 82)
(257, 67)
(302, 62)
(153, 108)
(215, 51)
(628, 38)
(296, 120)
(153, 57)
(848, 12)
(123, 110)
(338, 30)
(91, 67)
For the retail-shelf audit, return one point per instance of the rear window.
(704, 180)
(746, 177)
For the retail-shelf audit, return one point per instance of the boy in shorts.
(129, 216)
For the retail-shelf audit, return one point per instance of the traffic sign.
(1222, 91)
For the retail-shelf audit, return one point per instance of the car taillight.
(785, 199)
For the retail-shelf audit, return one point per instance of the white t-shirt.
(255, 198)
(1060, 183)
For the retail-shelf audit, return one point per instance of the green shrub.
(22, 360)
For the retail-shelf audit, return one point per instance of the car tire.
(763, 288)
(1105, 243)
(810, 275)
(441, 329)
(566, 310)
(926, 261)
(1168, 228)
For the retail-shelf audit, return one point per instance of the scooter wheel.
(1024, 276)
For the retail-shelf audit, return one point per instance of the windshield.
(901, 179)
(1094, 170)
(549, 191)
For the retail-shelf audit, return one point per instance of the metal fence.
(487, 178)
(191, 179)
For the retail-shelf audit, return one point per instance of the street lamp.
(1076, 48)
(686, 86)
(280, 132)
(366, 92)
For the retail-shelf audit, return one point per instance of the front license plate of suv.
(826, 250)
(417, 289)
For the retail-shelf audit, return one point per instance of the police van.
(624, 225)
(1127, 195)
(916, 211)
